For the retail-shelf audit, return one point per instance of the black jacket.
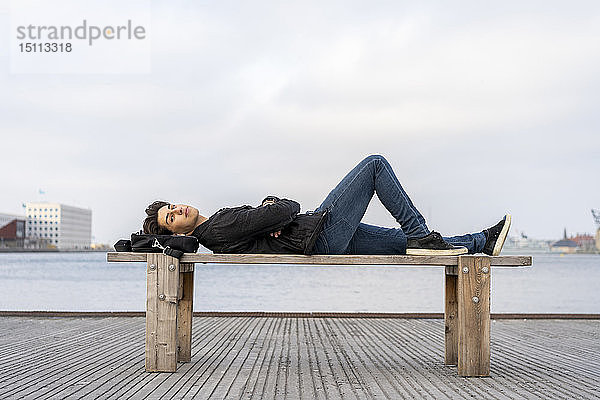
(246, 229)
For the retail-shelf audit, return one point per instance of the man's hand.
(269, 200)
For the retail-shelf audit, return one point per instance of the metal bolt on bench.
(170, 293)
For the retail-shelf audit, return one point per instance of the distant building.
(12, 230)
(65, 227)
(585, 241)
(564, 246)
(582, 242)
(527, 243)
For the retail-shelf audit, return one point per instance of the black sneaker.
(432, 245)
(496, 235)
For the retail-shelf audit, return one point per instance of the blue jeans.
(343, 233)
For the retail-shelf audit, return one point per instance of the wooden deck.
(311, 358)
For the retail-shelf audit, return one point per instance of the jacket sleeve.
(254, 221)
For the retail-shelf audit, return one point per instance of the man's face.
(178, 218)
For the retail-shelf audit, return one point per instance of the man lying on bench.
(333, 228)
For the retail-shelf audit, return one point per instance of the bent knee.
(375, 157)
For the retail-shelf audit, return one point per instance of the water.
(86, 282)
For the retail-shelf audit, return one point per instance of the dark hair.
(151, 222)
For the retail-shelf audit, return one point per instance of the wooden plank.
(184, 316)
(166, 330)
(510, 261)
(170, 275)
(151, 312)
(451, 269)
(126, 257)
(450, 319)
(161, 313)
(507, 261)
(473, 296)
(186, 267)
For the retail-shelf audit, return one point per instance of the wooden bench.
(170, 294)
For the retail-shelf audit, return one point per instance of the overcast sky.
(480, 108)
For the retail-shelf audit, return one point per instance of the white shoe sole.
(428, 252)
(502, 236)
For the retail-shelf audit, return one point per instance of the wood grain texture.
(186, 267)
(450, 321)
(161, 313)
(170, 277)
(151, 312)
(126, 257)
(507, 261)
(184, 317)
(473, 296)
(168, 285)
(298, 358)
(451, 269)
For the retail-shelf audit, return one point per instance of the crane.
(596, 215)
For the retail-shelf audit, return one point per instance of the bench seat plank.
(505, 261)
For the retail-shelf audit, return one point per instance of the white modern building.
(65, 227)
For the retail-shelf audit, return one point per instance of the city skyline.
(514, 233)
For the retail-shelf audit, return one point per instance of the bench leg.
(185, 312)
(450, 317)
(473, 315)
(161, 313)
